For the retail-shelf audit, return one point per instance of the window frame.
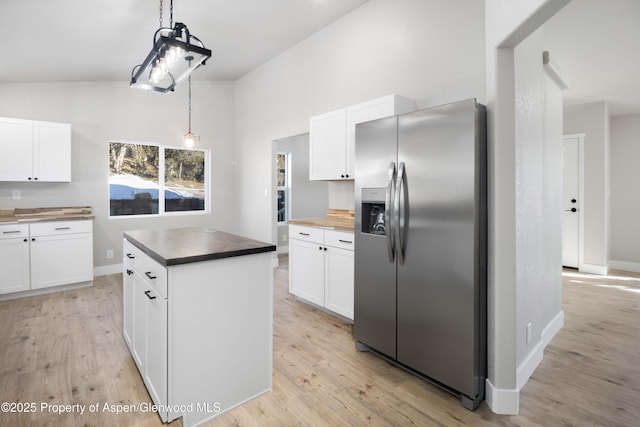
(161, 184)
(286, 188)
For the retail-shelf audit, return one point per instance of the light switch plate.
(15, 194)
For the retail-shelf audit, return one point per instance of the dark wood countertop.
(177, 246)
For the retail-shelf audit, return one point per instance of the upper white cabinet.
(327, 146)
(34, 151)
(332, 136)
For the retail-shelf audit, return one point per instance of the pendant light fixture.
(190, 141)
(166, 66)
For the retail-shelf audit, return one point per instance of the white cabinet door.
(339, 267)
(16, 149)
(127, 305)
(60, 260)
(155, 336)
(306, 270)
(52, 151)
(14, 265)
(327, 146)
(139, 321)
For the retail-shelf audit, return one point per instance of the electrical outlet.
(15, 194)
(109, 253)
(528, 332)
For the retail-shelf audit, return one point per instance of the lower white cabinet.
(14, 258)
(145, 320)
(321, 267)
(45, 254)
(61, 253)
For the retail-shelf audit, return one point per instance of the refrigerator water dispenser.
(373, 207)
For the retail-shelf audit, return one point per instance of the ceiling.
(596, 46)
(594, 43)
(88, 40)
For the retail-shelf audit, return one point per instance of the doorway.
(573, 195)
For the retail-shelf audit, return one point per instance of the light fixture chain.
(171, 14)
(189, 104)
(160, 14)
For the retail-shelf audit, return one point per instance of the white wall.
(508, 23)
(308, 198)
(408, 47)
(625, 197)
(592, 119)
(108, 111)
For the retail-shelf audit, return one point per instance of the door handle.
(130, 256)
(400, 209)
(571, 210)
(149, 296)
(388, 211)
(148, 274)
(129, 272)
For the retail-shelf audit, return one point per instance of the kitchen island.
(197, 318)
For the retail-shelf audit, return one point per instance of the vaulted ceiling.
(595, 43)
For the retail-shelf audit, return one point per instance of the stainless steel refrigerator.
(420, 244)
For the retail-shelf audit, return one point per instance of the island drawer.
(308, 234)
(149, 269)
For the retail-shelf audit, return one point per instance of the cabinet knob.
(320, 247)
(35, 179)
(325, 249)
(346, 176)
(26, 240)
(33, 239)
(342, 176)
(29, 178)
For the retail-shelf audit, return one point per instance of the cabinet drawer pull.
(62, 228)
(129, 272)
(149, 296)
(130, 256)
(345, 241)
(11, 232)
(303, 234)
(148, 274)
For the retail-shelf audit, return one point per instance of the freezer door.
(374, 322)
(438, 281)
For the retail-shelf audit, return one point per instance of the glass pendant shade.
(190, 141)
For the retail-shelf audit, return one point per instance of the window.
(283, 185)
(147, 179)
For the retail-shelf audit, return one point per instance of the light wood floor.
(67, 348)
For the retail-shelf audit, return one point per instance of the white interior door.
(571, 203)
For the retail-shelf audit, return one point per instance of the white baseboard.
(529, 365)
(600, 270)
(502, 401)
(105, 270)
(507, 401)
(552, 328)
(625, 266)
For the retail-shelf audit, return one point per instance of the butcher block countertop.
(177, 246)
(8, 216)
(336, 219)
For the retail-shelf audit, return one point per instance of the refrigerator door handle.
(391, 189)
(400, 211)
